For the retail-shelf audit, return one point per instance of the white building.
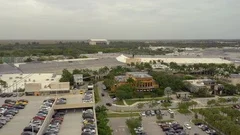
(98, 42)
(78, 79)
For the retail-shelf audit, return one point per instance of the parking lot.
(119, 126)
(21, 120)
(72, 123)
(151, 127)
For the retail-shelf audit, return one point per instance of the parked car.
(108, 104)
(187, 126)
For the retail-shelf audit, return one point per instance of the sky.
(119, 19)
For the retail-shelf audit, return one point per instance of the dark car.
(157, 112)
(3, 95)
(9, 112)
(108, 104)
(30, 129)
(9, 94)
(9, 101)
(198, 123)
(103, 94)
(1, 125)
(19, 106)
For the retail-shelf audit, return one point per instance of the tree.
(125, 91)
(108, 83)
(165, 104)
(234, 99)
(203, 92)
(67, 77)
(131, 81)
(28, 60)
(102, 121)
(168, 92)
(195, 115)
(211, 102)
(3, 83)
(222, 100)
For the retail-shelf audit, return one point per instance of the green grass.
(96, 95)
(132, 101)
(119, 102)
(197, 121)
(112, 115)
(184, 111)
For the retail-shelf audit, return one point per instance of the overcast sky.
(119, 19)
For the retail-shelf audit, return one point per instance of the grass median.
(133, 114)
(96, 95)
(132, 101)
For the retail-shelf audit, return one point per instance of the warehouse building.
(98, 42)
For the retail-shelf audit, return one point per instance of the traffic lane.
(119, 126)
(72, 123)
(151, 127)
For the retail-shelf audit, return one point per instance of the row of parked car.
(88, 97)
(37, 121)
(206, 129)
(152, 112)
(172, 128)
(55, 124)
(89, 127)
(9, 109)
(3, 95)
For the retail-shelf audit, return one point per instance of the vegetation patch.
(133, 123)
(102, 121)
(96, 95)
(119, 102)
(133, 114)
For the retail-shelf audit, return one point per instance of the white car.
(143, 114)
(187, 126)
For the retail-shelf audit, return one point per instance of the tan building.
(142, 81)
(52, 88)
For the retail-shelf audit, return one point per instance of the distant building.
(78, 79)
(142, 81)
(159, 66)
(98, 42)
(210, 84)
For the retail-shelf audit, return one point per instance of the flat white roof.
(123, 59)
(103, 40)
(16, 81)
(189, 60)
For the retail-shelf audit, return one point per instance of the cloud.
(114, 19)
